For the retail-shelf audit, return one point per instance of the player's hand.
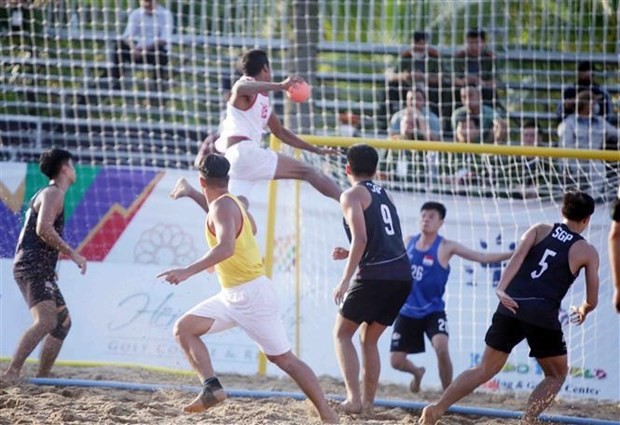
(174, 276)
(291, 81)
(327, 151)
(617, 300)
(339, 292)
(506, 301)
(80, 261)
(577, 315)
(340, 253)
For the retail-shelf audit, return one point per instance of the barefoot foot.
(414, 385)
(430, 415)
(181, 189)
(350, 407)
(329, 416)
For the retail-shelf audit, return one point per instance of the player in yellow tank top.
(246, 263)
(247, 298)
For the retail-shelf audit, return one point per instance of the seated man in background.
(585, 81)
(146, 40)
(417, 66)
(586, 130)
(475, 65)
(473, 106)
(416, 121)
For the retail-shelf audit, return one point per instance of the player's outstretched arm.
(458, 249)
(588, 259)
(291, 139)
(252, 87)
(225, 218)
(52, 200)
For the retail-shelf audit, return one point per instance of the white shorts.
(248, 161)
(253, 307)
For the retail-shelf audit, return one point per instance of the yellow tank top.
(246, 264)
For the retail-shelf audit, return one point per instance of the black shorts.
(506, 332)
(37, 288)
(408, 335)
(375, 301)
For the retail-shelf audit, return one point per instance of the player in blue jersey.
(383, 281)
(536, 279)
(425, 309)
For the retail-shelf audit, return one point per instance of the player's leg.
(54, 340)
(44, 321)
(301, 373)
(348, 362)
(437, 329)
(182, 189)
(291, 168)
(491, 363)
(371, 361)
(555, 370)
(407, 338)
(549, 349)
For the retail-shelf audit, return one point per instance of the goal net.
(461, 74)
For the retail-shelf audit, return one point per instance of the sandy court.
(32, 404)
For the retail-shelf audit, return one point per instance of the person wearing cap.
(247, 298)
(585, 82)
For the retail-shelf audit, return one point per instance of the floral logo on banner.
(166, 245)
(495, 269)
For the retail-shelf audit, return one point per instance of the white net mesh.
(478, 71)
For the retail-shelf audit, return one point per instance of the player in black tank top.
(383, 281)
(385, 257)
(545, 264)
(35, 261)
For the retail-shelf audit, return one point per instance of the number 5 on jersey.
(544, 265)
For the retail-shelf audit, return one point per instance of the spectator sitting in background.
(585, 81)
(146, 40)
(418, 65)
(585, 130)
(349, 124)
(467, 129)
(473, 106)
(416, 121)
(474, 64)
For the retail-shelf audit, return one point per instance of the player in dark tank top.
(544, 265)
(36, 255)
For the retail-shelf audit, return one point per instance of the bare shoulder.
(584, 250)
(351, 194)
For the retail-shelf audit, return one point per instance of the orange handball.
(299, 92)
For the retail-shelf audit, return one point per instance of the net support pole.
(272, 199)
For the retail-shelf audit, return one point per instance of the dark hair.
(435, 206)
(51, 161)
(477, 33)
(419, 89)
(577, 205)
(418, 36)
(253, 62)
(362, 159)
(584, 66)
(214, 169)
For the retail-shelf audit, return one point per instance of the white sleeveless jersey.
(248, 123)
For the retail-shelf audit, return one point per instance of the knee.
(63, 325)
(284, 361)
(560, 373)
(398, 361)
(179, 330)
(442, 352)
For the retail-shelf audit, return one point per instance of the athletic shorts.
(375, 301)
(37, 288)
(506, 332)
(249, 163)
(253, 307)
(408, 334)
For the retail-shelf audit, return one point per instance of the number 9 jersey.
(385, 257)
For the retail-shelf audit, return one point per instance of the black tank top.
(385, 257)
(33, 255)
(543, 279)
